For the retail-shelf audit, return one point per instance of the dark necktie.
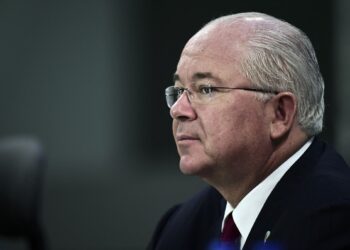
(230, 233)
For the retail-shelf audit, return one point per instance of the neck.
(235, 184)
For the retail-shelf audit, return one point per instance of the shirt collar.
(248, 209)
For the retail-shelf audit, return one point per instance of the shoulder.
(205, 201)
(319, 177)
(329, 181)
(309, 207)
(199, 216)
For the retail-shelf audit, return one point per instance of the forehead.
(219, 38)
(211, 53)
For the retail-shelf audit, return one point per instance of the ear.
(284, 109)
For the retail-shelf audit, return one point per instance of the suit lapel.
(280, 198)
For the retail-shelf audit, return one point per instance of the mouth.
(186, 138)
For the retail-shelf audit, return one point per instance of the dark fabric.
(308, 209)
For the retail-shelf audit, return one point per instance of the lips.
(184, 137)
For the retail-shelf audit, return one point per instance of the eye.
(179, 91)
(206, 89)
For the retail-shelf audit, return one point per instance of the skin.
(237, 140)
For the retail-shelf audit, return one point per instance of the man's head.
(279, 56)
(243, 133)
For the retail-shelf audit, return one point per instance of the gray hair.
(280, 57)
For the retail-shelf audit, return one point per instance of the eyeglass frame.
(167, 90)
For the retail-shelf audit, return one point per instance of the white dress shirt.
(248, 209)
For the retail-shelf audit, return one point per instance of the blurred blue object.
(267, 246)
(219, 245)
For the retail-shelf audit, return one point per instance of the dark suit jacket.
(308, 209)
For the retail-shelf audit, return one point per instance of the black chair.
(22, 166)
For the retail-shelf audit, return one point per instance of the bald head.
(221, 36)
(231, 31)
(271, 54)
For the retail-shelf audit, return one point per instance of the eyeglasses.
(204, 94)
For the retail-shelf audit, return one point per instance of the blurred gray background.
(86, 78)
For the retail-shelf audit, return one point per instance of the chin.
(188, 170)
(189, 166)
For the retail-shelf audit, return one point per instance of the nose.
(182, 109)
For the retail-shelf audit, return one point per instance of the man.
(247, 103)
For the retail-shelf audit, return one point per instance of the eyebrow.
(198, 76)
(176, 77)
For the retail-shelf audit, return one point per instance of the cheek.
(233, 129)
(219, 131)
(175, 126)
